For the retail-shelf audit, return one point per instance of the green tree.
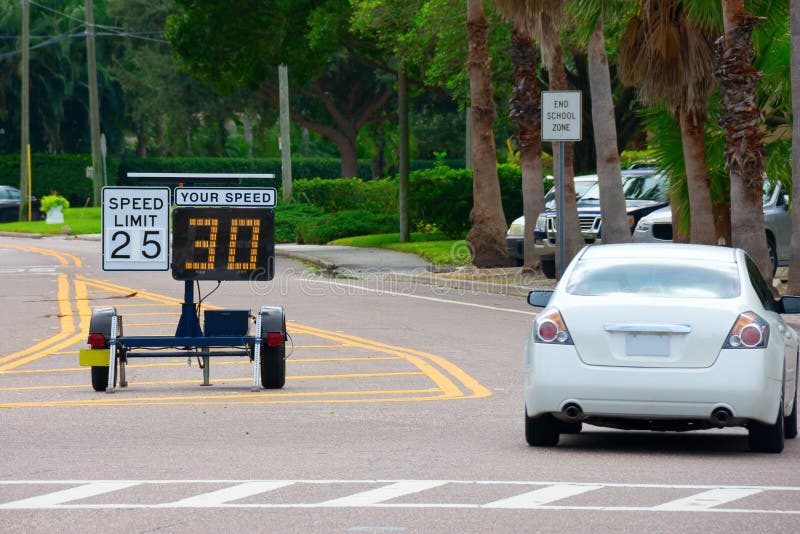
(338, 82)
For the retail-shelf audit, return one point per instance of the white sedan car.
(662, 337)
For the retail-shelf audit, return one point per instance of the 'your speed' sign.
(136, 228)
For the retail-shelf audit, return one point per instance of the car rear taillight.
(97, 341)
(749, 332)
(549, 327)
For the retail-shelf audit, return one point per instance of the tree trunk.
(526, 112)
(612, 199)
(702, 229)
(486, 238)
(553, 54)
(744, 151)
(794, 266)
(347, 149)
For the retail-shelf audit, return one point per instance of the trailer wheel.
(99, 378)
(273, 366)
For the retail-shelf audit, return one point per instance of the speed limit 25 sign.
(136, 228)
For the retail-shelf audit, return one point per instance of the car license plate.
(647, 345)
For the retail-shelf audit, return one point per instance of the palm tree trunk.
(702, 229)
(612, 199)
(794, 266)
(486, 238)
(526, 112)
(744, 151)
(554, 57)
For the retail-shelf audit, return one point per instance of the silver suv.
(657, 226)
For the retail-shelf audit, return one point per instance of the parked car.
(666, 337)
(656, 227)
(645, 192)
(9, 205)
(515, 237)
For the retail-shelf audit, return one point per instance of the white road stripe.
(421, 297)
(539, 497)
(385, 493)
(224, 495)
(708, 499)
(49, 500)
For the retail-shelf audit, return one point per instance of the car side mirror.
(787, 304)
(540, 298)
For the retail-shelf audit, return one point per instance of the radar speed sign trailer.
(218, 233)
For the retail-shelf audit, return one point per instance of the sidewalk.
(390, 265)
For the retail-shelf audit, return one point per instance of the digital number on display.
(223, 244)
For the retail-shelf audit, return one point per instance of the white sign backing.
(136, 228)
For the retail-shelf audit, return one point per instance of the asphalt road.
(402, 412)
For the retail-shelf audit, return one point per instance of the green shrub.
(376, 196)
(442, 197)
(289, 215)
(50, 201)
(344, 224)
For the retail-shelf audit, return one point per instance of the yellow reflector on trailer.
(93, 357)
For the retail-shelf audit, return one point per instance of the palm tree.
(744, 153)
(526, 111)
(542, 18)
(486, 238)
(794, 266)
(670, 61)
(612, 199)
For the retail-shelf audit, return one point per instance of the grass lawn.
(79, 221)
(436, 248)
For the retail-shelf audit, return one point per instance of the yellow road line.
(66, 326)
(227, 379)
(198, 399)
(62, 257)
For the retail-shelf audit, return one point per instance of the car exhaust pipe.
(721, 416)
(572, 412)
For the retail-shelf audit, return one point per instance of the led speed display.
(223, 244)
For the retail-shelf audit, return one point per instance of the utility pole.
(94, 105)
(286, 142)
(403, 185)
(24, 68)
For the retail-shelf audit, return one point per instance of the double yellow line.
(445, 375)
(68, 333)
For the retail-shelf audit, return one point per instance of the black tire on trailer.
(273, 366)
(99, 378)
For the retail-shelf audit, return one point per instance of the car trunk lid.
(676, 333)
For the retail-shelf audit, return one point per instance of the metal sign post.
(561, 121)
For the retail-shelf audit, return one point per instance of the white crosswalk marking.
(224, 495)
(50, 500)
(385, 493)
(542, 496)
(708, 499)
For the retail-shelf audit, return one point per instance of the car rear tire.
(790, 422)
(767, 438)
(548, 266)
(541, 431)
(772, 251)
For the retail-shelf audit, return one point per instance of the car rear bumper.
(739, 381)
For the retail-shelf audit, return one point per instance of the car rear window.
(689, 279)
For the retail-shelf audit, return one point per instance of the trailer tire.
(99, 378)
(273, 367)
